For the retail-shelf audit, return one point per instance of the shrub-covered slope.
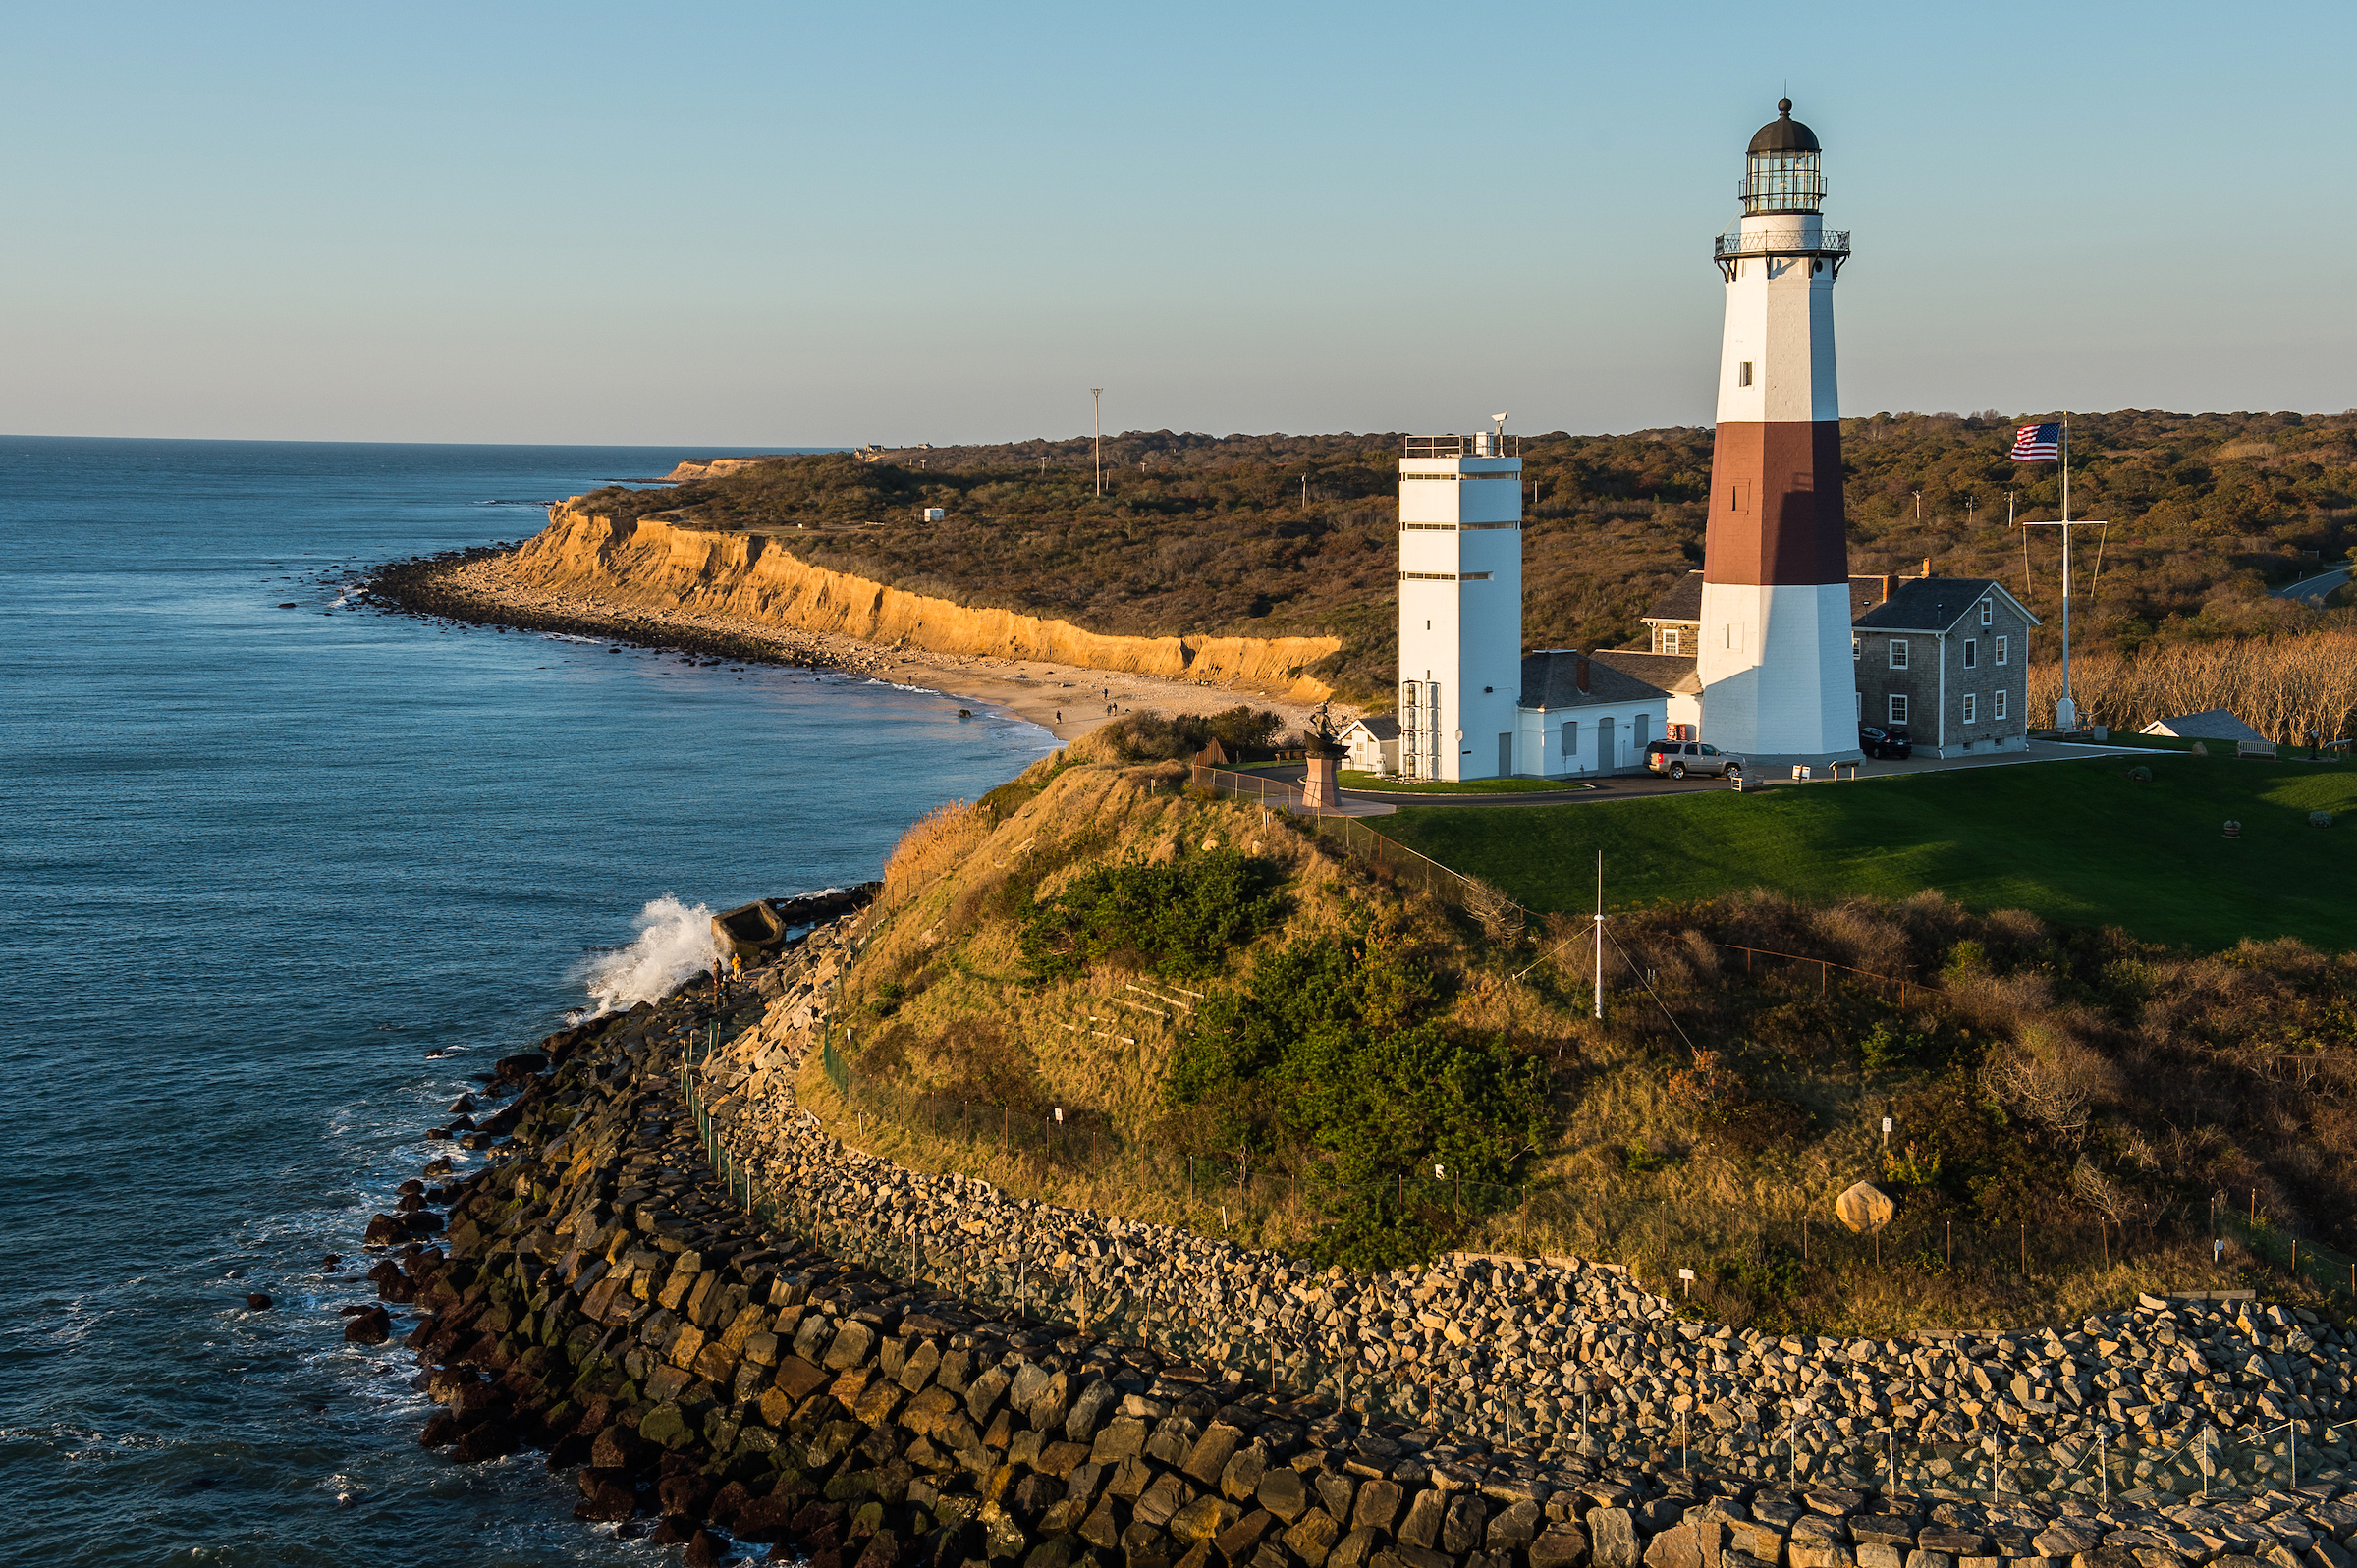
(1092, 986)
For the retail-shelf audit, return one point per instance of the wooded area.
(1276, 535)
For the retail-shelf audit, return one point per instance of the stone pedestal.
(1321, 787)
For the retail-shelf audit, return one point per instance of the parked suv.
(1677, 758)
(1892, 742)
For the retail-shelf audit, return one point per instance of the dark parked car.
(1892, 742)
(1677, 758)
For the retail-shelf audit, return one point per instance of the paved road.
(1646, 786)
(2312, 590)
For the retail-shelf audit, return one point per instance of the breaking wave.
(675, 942)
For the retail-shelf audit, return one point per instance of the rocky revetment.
(890, 1368)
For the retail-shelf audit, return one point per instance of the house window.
(2001, 649)
(1988, 611)
(2000, 703)
(1743, 373)
(1898, 653)
(1972, 704)
(1898, 707)
(1669, 639)
(1856, 650)
(1571, 737)
(1972, 653)
(1861, 696)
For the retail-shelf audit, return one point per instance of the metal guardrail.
(1484, 445)
(1830, 242)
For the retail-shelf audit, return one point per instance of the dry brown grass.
(2283, 687)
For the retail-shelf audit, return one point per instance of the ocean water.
(256, 865)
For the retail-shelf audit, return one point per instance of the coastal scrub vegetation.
(1359, 1074)
(1285, 535)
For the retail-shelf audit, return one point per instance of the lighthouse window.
(1743, 373)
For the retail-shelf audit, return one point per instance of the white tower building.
(1461, 605)
(1775, 662)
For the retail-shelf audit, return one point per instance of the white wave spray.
(675, 942)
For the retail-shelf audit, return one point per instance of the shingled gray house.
(1946, 658)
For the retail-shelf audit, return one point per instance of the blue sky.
(772, 225)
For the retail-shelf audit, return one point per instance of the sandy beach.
(1066, 701)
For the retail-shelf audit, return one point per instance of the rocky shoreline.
(598, 1293)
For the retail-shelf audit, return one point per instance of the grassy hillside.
(1246, 1036)
(2074, 841)
(1278, 535)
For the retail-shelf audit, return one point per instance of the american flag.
(2038, 442)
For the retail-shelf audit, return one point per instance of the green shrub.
(1177, 919)
(1332, 1048)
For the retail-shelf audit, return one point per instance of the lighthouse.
(1775, 655)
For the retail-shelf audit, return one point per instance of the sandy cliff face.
(713, 468)
(655, 564)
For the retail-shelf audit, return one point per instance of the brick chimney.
(1579, 670)
(1927, 565)
(1885, 581)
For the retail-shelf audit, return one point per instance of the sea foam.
(673, 942)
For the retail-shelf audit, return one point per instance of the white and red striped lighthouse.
(1775, 660)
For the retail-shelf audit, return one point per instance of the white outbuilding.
(1472, 704)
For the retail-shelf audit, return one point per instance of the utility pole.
(1918, 495)
(1600, 935)
(1096, 396)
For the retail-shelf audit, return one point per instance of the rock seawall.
(659, 563)
(600, 1295)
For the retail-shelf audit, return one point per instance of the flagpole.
(2069, 716)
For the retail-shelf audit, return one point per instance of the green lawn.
(1377, 782)
(2074, 841)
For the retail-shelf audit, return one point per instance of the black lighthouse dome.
(1784, 134)
(1783, 169)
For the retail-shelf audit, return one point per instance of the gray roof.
(1935, 603)
(1668, 672)
(1680, 601)
(2211, 724)
(1380, 726)
(1551, 679)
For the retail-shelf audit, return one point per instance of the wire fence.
(1395, 861)
(1673, 1232)
(1535, 1407)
